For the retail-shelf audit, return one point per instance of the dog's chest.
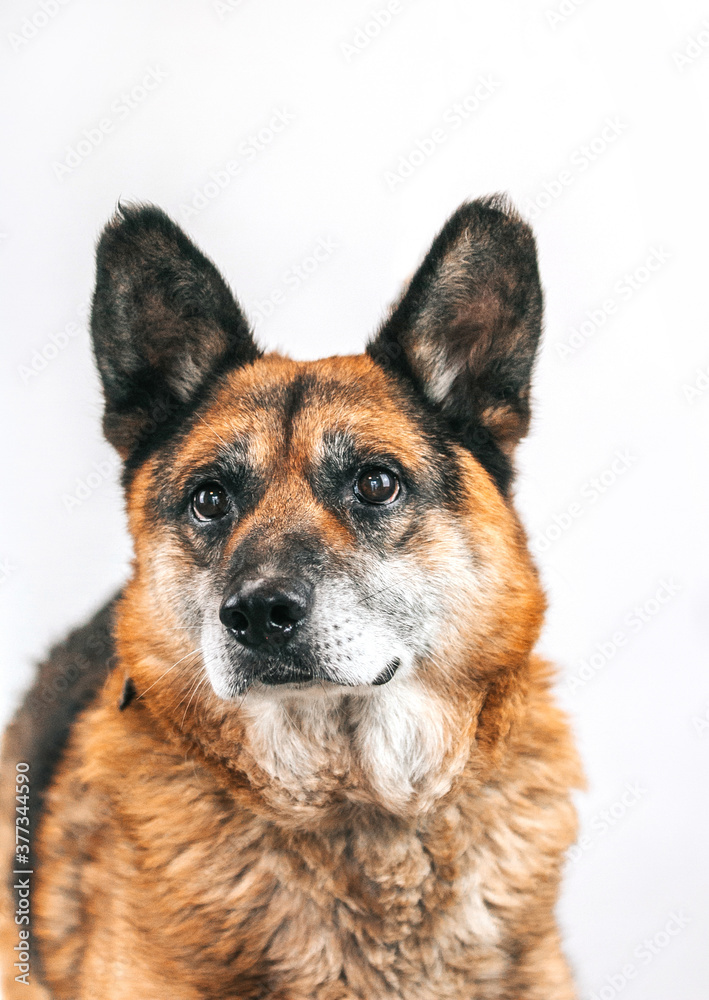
(385, 913)
(417, 912)
(233, 905)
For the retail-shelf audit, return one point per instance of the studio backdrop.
(313, 150)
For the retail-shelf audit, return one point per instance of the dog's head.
(332, 536)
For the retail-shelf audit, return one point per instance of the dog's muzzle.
(264, 615)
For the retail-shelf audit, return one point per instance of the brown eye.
(209, 501)
(377, 486)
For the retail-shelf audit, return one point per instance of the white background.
(640, 709)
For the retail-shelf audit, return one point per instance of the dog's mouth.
(302, 675)
(287, 675)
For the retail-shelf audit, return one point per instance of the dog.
(308, 752)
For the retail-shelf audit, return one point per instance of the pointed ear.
(467, 327)
(163, 323)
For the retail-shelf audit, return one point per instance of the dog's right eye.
(210, 501)
(377, 486)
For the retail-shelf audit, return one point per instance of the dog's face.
(311, 528)
(305, 528)
(310, 532)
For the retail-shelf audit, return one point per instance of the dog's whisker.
(376, 593)
(200, 682)
(166, 672)
(193, 681)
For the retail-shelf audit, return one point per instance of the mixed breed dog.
(308, 752)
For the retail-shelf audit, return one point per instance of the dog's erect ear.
(467, 327)
(164, 322)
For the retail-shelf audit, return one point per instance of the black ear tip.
(493, 212)
(133, 220)
(498, 204)
(139, 214)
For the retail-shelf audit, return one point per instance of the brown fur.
(181, 856)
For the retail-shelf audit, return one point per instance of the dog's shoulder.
(66, 682)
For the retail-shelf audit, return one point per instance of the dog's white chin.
(227, 675)
(393, 734)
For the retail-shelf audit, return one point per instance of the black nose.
(266, 611)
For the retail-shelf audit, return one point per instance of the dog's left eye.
(377, 486)
(210, 501)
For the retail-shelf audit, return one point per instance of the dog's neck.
(303, 760)
(395, 749)
(302, 757)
